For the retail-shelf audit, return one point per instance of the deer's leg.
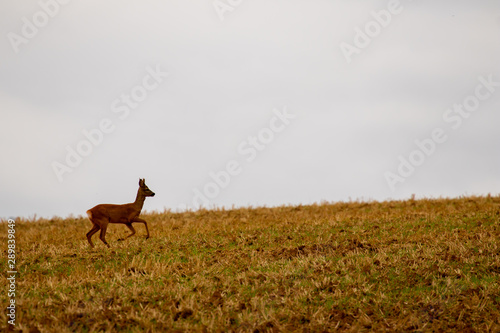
(137, 219)
(129, 225)
(92, 231)
(102, 235)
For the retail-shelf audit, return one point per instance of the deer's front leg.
(131, 228)
(139, 220)
(129, 225)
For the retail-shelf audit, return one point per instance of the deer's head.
(145, 189)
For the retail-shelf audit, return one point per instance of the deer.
(102, 215)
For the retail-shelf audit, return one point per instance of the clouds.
(225, 78)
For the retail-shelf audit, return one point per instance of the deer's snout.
(152, 194)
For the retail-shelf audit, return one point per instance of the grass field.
(416, 265)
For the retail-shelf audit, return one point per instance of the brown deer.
(102, 215)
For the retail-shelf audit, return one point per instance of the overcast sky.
(222, 103)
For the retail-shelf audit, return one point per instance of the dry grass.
(425, 265)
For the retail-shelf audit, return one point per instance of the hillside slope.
(402, 265)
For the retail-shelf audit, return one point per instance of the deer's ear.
(141, 182)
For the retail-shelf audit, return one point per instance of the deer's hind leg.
(92, 231)
(102, 235)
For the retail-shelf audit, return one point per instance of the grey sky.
(351, 121)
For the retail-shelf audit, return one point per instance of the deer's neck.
(139, 200)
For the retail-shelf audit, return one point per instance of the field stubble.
(415, 265)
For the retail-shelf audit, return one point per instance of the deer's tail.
(89, 214)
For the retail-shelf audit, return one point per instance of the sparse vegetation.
(416, 265)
